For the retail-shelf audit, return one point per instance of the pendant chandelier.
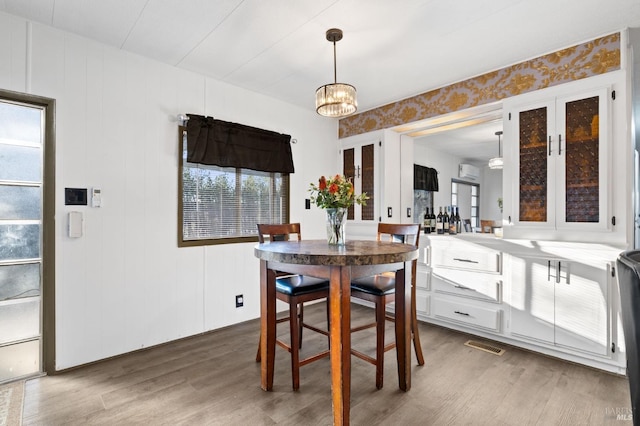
(336, 99)
(497, 162)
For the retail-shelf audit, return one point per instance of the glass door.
(536, 205)
(21, 213)
(359, 164)
(583, 164)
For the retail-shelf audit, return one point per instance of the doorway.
(26, 235)
(466, 197)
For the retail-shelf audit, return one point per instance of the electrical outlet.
(239, 301)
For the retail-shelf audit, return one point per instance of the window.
(220, 205)
(465, 196)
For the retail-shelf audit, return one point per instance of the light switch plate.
(76, 224)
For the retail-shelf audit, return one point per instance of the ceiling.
(391, 49)
(474, 144)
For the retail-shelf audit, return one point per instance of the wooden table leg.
(403, 325)
(340, 338)
(267, 325)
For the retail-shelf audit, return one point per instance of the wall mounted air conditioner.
(468, 171)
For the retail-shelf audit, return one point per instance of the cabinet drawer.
(422, 303)
(485, 261)
(475, 316)
(485, 287)
(423, 277)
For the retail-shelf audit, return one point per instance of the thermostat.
(96, 197)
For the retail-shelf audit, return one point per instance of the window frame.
(215, 241)
(454, 194)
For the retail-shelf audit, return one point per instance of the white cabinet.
(560, 302)
(558, 148)
(466, 284)
(379, 162)
(423, 285)
(556, 298)
(482, 317)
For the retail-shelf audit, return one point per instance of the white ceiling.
(391, 49)
(474, 144)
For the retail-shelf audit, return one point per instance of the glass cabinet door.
(582, 197)
(561, 162)
(358, 164)
(535, 203)
(533, 167)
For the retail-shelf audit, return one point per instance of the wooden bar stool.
(295, 290)
(380, 289)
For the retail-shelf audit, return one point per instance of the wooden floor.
(213, 379)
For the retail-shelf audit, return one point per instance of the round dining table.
(339, 264)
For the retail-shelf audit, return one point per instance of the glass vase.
(336, 223)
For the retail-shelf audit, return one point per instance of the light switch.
(76, 224)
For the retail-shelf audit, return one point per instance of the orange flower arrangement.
(335, 192)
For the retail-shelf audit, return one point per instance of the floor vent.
(485, 347)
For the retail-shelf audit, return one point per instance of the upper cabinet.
(359, 163)
(559, 151)
(381, 165)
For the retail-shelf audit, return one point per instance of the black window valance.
(425, 178)
(224, 144)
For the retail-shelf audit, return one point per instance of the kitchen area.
(532, 261)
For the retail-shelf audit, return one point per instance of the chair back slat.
(278, 232)
(407, 233)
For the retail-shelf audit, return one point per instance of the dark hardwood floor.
(213, 379)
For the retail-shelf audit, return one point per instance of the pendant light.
(497, 162)
(336, 99)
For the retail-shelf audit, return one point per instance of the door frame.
(48, 223)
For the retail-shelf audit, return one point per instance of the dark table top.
(319, 252)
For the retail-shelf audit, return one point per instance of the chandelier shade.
(336, 99)
(497, 162)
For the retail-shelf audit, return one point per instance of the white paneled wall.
(12, 45)
(125, 284)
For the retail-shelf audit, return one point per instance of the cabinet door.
(534, 194)
(532, 298)
(359, 163)
(581, 307)
(582, 160)
(561, 162)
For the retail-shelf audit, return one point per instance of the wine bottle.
(445, 221)
(458, 221)
(453, 230)
(433, 220)
(426, 223)
(439, 223)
